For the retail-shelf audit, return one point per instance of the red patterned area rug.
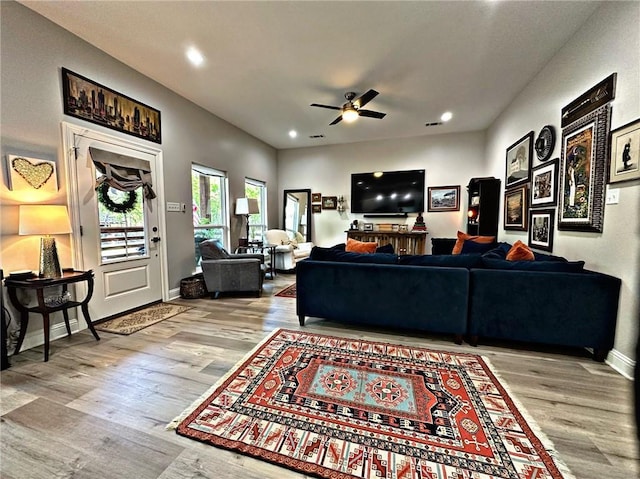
(288, 292)
(345, 408)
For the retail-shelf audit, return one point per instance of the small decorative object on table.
(419, 225)
(58, 300)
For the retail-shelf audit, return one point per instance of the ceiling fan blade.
(327, 106)
(371, 114)
(366, 98)
(337, 120)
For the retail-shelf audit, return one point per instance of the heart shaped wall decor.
(34, 174)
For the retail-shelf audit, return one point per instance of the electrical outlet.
(613, 196)
(173, 206)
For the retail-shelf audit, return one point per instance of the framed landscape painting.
(444, 198)
(541, 223)
(624, 160)
(515, 209)
(584, 150)
(518, 161)
(544, 184)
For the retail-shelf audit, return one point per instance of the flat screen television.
(388, 192)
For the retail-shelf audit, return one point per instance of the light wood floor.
(99, 409)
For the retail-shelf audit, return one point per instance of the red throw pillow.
(462, 237)
(356, 246)
(520, 252)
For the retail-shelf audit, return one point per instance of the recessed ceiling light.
(195, 57)
(293, 133)
(446, 116)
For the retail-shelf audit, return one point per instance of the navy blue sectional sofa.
(549, 300)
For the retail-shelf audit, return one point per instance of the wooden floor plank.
(115, 397)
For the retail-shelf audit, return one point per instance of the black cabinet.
(483, 206)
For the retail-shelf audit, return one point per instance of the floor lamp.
(247, 207)
(45, 220)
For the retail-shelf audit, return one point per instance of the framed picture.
(544, 184)
(444, 198)
(316, 197)
(367, 227)
(541, 223)
(27, 173)
(91, 101)
(518, 162)
(624, 159)
(582, 170)
(316, 208)
(515, 208)
(329, 202)
(403, 228)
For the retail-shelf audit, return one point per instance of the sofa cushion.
(388, 248)
(213, 249)
(548, 257)
(548, 266)
(520, 252)
(462, 237)
(356, 246)
(499, 251)
(471, 247)
(329, 254)
(448, 261)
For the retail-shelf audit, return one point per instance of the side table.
(39, 284)
(271, 248)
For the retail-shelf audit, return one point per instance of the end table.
(39, 284)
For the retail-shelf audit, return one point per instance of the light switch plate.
(173, 206)
(613, 196)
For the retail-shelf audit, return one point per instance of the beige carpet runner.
(132, 322)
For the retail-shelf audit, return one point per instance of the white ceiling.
(267, 61)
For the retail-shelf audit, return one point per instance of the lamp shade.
(44, 220)
(247, 206)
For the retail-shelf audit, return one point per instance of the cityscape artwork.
(91, 101)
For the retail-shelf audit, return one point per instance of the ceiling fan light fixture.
(349, 115)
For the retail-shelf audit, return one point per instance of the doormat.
(288, 292)
(132, 322)
(345, 408)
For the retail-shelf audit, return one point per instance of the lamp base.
(49, 262)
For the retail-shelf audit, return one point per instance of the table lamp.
(246, 207)
(45, 220)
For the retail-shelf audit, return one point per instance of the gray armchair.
(224, 272)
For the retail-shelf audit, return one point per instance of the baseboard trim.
(174, 293)
(621, 363)
(58, 330)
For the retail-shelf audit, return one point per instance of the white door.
(123, 249)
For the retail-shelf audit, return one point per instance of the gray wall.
(33, 52)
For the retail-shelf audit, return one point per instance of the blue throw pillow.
(447, 261)
(499, 251)
(388, 248)
(545, 266)
(548, 257)
(471, 247)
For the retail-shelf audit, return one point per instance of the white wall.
(609, 42)
(447, 160)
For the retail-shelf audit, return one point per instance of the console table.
(38, 285)
(411, 242)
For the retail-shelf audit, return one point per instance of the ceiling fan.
(353, 108)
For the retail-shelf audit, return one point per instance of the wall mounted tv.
(388, 192)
